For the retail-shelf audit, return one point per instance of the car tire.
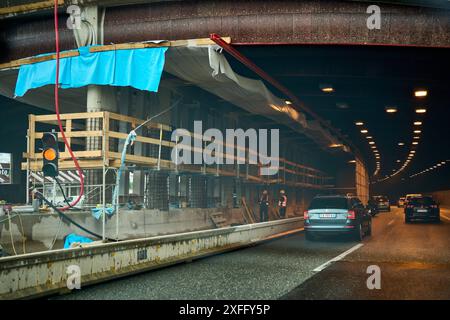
(359, 234)
(309, 236)
(369, 229)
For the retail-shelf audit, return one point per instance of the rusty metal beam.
(247, 22)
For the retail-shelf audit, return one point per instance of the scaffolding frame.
(106, 153)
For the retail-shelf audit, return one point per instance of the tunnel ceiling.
(366, 80)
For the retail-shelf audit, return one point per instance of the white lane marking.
(390, 222)
(339, 257)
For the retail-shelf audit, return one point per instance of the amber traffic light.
(50, 154)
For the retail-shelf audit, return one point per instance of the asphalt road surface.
(413, 261)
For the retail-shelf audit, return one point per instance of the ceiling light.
(336, 145)
(415, 142)
(326, 88)
(359, 123)
(391, 109)
(373, 147)
(418, 123)
(342, 105)
(287, 102)
(364, 131)
(420, 93)
(412, 151)
(401, 143)
(371, 142)
(369, 137)
(421, 110)
(352, 161)
(416, 137)
(398, 161)
(439, 164)
(417, 131)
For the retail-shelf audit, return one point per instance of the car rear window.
(422, 201)
(329, 203)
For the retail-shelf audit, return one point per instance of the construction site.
(168, 131)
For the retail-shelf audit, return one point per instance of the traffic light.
(50, 154)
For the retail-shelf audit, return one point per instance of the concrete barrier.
(40, 230)
(45, 273)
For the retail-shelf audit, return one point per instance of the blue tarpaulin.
(72, 238)
(97, 212)
(138, 68)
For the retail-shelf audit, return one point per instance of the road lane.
(414, 260)
(265, 271)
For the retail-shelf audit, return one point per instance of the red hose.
(77, 165)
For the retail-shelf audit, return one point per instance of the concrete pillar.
(99, 98)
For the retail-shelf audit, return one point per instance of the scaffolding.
(99, 154)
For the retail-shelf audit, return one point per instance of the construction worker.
(264, 206)
(282, 203)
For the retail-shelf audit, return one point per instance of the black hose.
(63, 194)
(64, 216)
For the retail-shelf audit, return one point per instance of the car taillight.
(351, 215)
(305, 214)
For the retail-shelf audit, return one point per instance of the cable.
(63, 194)
(58, 117)
(56, 235)
(23, 234)
(64, 216)
(129, 140)
(158, 114)
(11, 235)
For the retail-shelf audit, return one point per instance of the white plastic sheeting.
(208, 68)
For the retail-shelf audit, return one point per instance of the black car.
(337, 214)
(423, 208)
(372, 207)
(382, 203)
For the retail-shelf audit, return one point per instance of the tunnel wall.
(442, 197)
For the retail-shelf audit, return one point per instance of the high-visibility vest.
(283, 201)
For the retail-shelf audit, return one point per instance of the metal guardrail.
(45, 273)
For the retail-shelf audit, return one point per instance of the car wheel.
(359, 234)
(309, 236)
(369, 229)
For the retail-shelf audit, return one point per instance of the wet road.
(414, 261)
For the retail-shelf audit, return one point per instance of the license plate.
(422, 210)
(327, 215)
